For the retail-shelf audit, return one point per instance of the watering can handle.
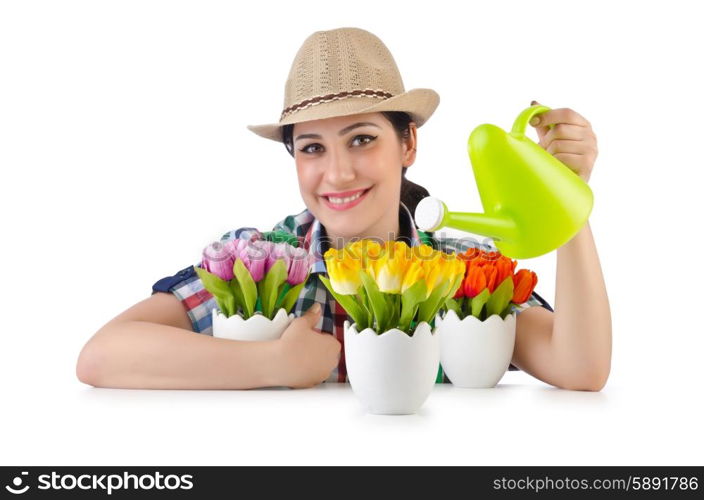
(523, 119)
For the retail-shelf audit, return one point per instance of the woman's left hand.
(571, 140)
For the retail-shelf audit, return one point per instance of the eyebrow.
(341, 132)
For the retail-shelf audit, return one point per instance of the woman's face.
(349, 171)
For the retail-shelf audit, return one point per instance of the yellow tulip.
(414, 273)
(429, 261)
(395, 266)
(344, 271)
(365, 250)
(423, 252)
(442, 270)
(389, 269)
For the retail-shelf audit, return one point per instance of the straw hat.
(342, 72)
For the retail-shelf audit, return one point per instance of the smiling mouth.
(346, 199)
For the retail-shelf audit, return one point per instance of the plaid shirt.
(304, 230)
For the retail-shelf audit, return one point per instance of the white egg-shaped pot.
(474, 353)
(256, 327)
(391, 373)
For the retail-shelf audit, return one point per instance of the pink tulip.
(257, 253)
(218, 261)
(279, 251)
(299, 265)
(254, 258)
(236, 247)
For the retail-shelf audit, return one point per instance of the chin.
(343, 225)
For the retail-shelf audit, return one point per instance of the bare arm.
(152, 346)
(570, 348)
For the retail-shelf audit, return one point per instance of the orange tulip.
(504, 267)
(474, 281)
(470, 254)
(490, 269)
(524, 282)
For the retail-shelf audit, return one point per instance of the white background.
(124, 151)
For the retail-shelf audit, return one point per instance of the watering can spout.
(533, 203)
(432, 214)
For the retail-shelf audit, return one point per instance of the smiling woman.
(352, 129)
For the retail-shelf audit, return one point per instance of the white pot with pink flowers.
(255, 284)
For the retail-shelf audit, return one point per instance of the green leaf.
(502, 295)
(393, 308)
(258, 305)
(410, 299)
(281, 237)
(271, 284)
(363, 299)
(237, 294)
(450, 303)
(348, 303)
(395, 311)
(454, 305)
(465, 306)
(431, 306)
(456, 285)
(506, 311)
(220, 289)
(248, 287)
(478, 303)
(289, 299)
(282, 294)
(377, 300)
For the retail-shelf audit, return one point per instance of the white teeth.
(345, 200)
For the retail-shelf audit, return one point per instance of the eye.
(305, 149)
(370, 137)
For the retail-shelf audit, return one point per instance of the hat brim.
(420, 104)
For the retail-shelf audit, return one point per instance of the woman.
(352, 130)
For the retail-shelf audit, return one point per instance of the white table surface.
(520, 422)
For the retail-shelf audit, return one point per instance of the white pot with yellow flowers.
(392, 292)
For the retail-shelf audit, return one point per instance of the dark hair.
(411, 193)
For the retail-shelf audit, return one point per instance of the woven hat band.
(314, 101)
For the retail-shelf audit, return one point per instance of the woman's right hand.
(306, 356)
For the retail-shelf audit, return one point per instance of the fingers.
(568, 137)
(312, 315)
(565, 138)
(560, 115)
(561, 146)
(535, 121)
(566, 131)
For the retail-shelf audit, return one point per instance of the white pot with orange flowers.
(477, 327)
(392, 292)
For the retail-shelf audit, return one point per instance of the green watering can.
(533, 203)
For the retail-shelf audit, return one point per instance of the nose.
(339, 170)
